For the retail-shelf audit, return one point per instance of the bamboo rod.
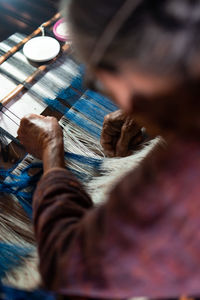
(15, 92)
(24, 41)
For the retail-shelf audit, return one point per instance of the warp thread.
(83, 114)
(7, 293)
(11, 256)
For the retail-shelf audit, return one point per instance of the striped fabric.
(82, 113)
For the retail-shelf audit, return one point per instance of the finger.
(111, 131)
(115, 119)
(31, 119)
(51, 119)
(24, 121)
(108, 142)
(129, 130)
(109, 149)
(34, 116)
(112, 123)
(23, 124)
(137, 140)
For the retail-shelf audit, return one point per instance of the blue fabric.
(105, 102)
(15, 185)
(84, 160)
(10, 256)
(91, 163)
(88, 111)
(67, 98)
(7, 293)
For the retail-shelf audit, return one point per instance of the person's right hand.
(36, 133)
(120, 134)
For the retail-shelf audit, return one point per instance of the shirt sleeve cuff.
(53, 170)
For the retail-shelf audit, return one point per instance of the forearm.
(75, 241)
(53, 155)
(79, 246)
(59, 205)
(87, 251)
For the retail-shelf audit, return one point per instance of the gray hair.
(155, 36)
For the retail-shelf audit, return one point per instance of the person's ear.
(116, 86)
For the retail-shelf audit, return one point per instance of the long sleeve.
(136, 244)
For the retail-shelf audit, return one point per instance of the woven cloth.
(81, 113)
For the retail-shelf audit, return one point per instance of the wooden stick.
(30, 79)
(24, 41)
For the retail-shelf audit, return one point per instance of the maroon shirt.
(144, 241)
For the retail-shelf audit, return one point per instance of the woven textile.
(61, 89)
(81, 115)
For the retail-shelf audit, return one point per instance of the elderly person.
(144, 240)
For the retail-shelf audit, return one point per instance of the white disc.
(42, 48)
(62, 29)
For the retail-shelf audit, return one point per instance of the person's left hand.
(120, 134)
(37, 133)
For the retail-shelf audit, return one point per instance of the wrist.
(53, 155)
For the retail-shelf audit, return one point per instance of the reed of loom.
(16, 91)
(26, 39)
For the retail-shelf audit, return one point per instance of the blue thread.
(88, 113)
(68, 95)
(80, 176)
(55, 104)
(77, 82)
(94, 162)
(11, 256)
(108, 104)
(91, 111)
(15, 185)
(7, 293)
(88, 126)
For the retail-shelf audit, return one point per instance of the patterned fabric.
(81, 115)
(12, 72)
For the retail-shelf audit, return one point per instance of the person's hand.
(120, 134)
(36, 133)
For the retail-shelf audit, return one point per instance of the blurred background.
(24, 16)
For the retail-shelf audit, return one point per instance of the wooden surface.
(24, 15)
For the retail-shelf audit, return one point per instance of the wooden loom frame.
(16, 91)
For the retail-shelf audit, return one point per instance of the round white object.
(62, 29)
(42, 48)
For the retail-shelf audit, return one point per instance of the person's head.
(146, 55)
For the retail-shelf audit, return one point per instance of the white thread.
(42, 30)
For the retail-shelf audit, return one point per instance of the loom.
(55, 88)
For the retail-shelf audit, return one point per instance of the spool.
(61, 31)
(41, 49)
